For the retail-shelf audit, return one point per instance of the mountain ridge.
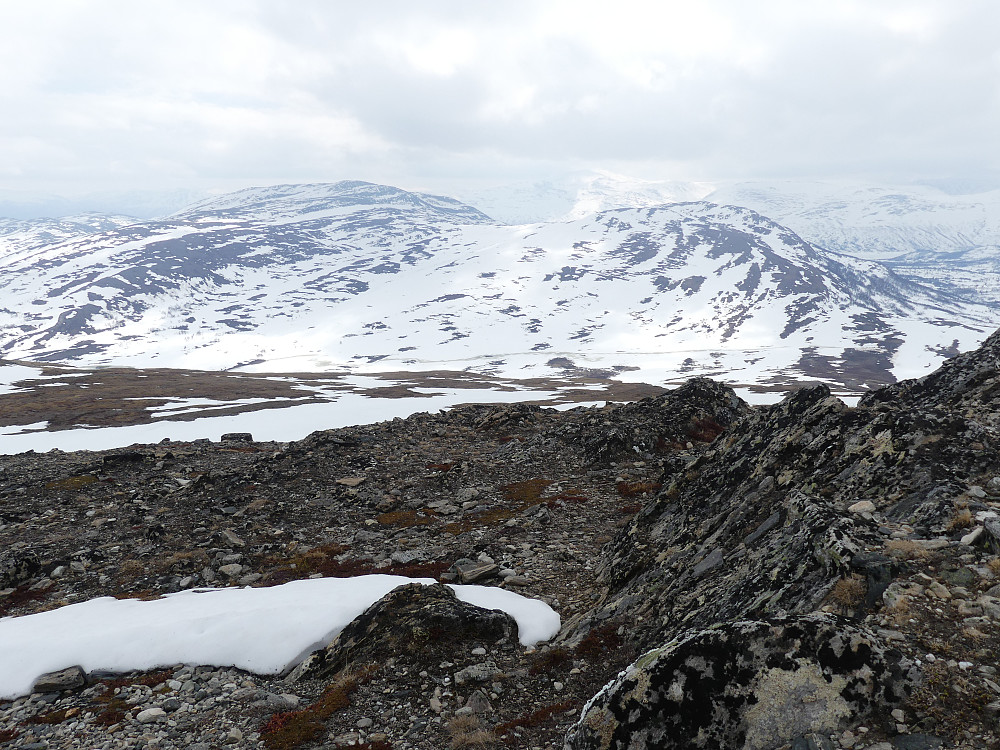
(417, 280)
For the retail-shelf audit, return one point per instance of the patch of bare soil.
(117, 397)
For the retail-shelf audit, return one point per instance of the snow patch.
(261, 630)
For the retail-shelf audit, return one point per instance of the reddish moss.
(113, 713)
(149, 679)
(632, 489)
(564, 499)
(325, 560)
(534, 719)
(525, 493)
(599, 642)
(8, 735)
(550, 661)
(146, 595)
(704, 430)
(289, 729)
(21, 595)
(405, 518)
(53, 717)
(630, 509)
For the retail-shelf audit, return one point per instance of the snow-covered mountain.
(875, 222)
(947, 240)
(371, 277)
(143, 204)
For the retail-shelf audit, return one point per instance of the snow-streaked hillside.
(944, 239)
(367, 277)
(875, 222)
(305, 203)
(27, 234)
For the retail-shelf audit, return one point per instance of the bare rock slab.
(472, 571)
(70, 678)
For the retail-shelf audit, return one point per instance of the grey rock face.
(748, 685)
(763, 525)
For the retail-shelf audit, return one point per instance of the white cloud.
(108, 93)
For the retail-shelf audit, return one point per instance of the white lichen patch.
(792, 703)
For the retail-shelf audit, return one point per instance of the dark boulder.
(697, 412)
(416, 622)
(18, 568)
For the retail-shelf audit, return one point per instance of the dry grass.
(178, 561)
(994, 565)
(962, 519)
(956, 701)
(71, 483)
(466, 732)
(906, 549)
(849, 592)
(901, 612)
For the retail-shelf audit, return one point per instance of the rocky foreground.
(804, 575)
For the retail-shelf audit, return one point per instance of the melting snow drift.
(262, 630)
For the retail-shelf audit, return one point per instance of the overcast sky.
(119, 94)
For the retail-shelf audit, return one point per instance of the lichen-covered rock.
(18, 568)
(759, 526)
(746, 686)
(967, 385)
(696, 412)
(413, 621)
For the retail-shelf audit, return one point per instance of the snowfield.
(261, 630)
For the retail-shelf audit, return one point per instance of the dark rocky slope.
(793, 508)
(802, 575)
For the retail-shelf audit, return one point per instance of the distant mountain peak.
(296, 201)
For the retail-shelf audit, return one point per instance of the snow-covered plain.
(261, 630)
(348, 400)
